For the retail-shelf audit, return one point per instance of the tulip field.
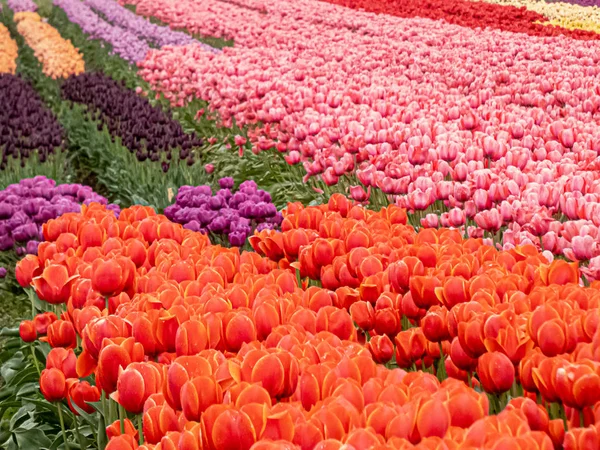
(300, 224)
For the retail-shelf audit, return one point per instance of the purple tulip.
(226, 183)
(3, 272)
(237, 238)
(32, 247)
(6, 242)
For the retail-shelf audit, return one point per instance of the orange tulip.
(54, 284)
(363, 314)
(63, 360)
(560, 272)
(198, 394)
(27, 269)
(191, 338)
(433, 419)
(536, 415)
(228, 428)
(578, 385)
(112, 276)
(53, 385)
(157, 422)
(410, 346)
(123, 442)
(381, 348)
(116, 354)
(582, 438)
(114, 429)
(496, 372)
(435, 324)
(136, 383)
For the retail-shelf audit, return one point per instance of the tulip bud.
(27, 331)
(363, 315)
(381, 348)
(53, 385)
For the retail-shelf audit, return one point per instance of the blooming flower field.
(299, 225)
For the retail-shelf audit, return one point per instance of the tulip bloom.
(496, 372)
(53, 385)
(136, 383)
(54, 284)
(27, 331)
(61, 333)
(81, 393)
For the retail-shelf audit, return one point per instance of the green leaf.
(31, 439)
(23, 413)
(102, 439)
(29, 388)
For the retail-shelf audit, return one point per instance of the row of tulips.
(28, 129)
(207, 347)
(8, 51)
(130, 36)
(473, 141)
(58, 57)
(505, 16)
(147, 131)
(566, 15)
(155, 35)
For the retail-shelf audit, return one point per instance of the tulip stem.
(581, 419)
(442, 366)
(62, 423)
(76, 422)
(35, 361)
(470, 379)
(122, 418)
(140, 428)
(298, 279)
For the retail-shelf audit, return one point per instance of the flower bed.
(29, 132)
(433, 130)
(8, 51)
(59, 58)
(187, 336)
(144, 129)
(123, 42)
(229, 213)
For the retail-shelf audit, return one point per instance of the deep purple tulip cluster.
(21, 5)
(124, 43)
(26, 206)
(156, 35)
(145, 130)
(230, 213)
(27, 126)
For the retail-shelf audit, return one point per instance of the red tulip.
(63, 360)
(81, 393)
(53, 385)
(27, 331)
(61, 333)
